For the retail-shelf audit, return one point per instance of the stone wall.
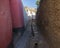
(48, 20)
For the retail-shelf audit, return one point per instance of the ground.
(31, 38)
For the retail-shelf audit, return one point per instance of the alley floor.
(31, 38)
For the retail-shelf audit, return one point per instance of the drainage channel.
(34, 34)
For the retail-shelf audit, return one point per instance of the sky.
(29, 3)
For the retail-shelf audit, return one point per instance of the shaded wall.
(48, 20)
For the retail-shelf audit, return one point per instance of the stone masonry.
(48, 20)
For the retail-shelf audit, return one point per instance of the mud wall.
(48, 20)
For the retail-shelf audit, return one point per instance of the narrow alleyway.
(31, 38)
(30, 24)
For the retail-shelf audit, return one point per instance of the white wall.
(26, 18)
(33, 15)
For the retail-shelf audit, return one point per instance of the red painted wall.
(5, 24)
(17, 13)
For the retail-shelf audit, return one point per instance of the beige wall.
(48, 17)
